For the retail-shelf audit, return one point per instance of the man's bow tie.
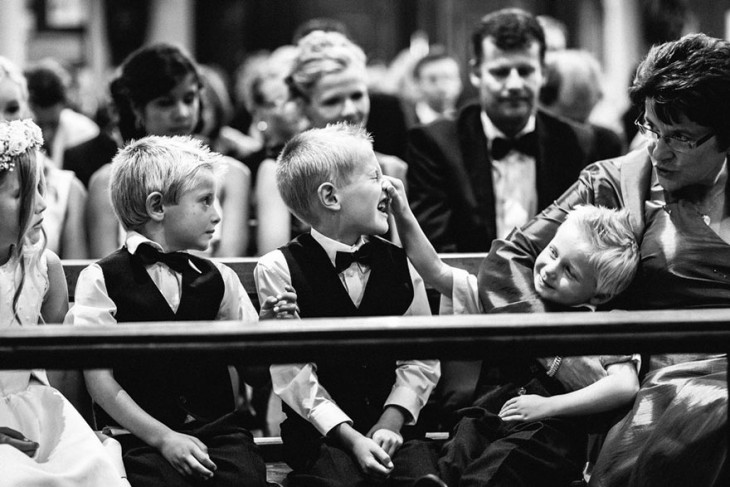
(527, 144)
(362, 256)
(177, 261)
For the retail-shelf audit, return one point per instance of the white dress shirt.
(297, 384)
(93, 306)
(514, 178)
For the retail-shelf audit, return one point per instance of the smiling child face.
(364, 202)
(563, 273)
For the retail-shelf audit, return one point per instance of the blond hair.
(168, 165)
(318, 156)
(614, 251)
(322, 53)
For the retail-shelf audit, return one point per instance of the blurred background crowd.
(417, 51)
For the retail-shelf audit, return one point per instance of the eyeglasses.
(678, 144)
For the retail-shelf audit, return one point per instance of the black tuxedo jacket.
(450, 175)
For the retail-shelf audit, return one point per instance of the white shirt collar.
(492, 132)
(331, 247)
(134, 239)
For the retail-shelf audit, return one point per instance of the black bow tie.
(362, 256)
(527, 144)
(177, 261)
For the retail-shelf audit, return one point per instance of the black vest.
(167, 391)
(359, 389)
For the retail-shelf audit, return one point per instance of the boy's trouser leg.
(334, 467)
(230, 447)
(485, 451)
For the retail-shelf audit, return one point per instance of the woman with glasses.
(676, 191)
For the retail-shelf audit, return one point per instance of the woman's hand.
(529, 407)
(9, 436)
(188, 455)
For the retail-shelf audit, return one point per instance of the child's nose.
(549, 270)
(40, 203)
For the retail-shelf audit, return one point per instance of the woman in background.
(158, 92)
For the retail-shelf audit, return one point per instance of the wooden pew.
(465, 337)
(244, 266)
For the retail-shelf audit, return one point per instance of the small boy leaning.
(344, 421)
(180, 415)
(526, 429)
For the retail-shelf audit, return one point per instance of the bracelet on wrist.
(554, 366)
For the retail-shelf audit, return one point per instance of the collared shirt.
(297, 384)
(93, 306)
(514, 178)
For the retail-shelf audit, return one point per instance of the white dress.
(69, 453)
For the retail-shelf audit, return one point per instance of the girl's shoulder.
(230, 167)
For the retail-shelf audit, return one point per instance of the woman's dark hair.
(146, 74)
(691, 77)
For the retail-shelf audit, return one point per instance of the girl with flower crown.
(65, 194)
(43, 439)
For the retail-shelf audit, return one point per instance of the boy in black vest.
(347, 423)
(176, 422)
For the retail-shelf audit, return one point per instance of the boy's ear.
(328, 197)
(600, 298)
(154, 206)
(474, 75)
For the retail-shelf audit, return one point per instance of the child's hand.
(388, 440)
(281, 306)
(9, 436)
(397, 193)
(188, 455)
(373, 460)
(529, 407)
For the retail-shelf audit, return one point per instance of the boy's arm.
(617, 389)
(415, 380)
(296, 384)
(93, 306)
(418, 248)
(186, 454)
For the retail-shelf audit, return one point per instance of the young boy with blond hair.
(349, 423)
(523, 431)
(176, 422)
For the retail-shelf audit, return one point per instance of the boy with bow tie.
(350, 423)
(176, 422)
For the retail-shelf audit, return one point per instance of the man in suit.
(502, 160)
(475, 178)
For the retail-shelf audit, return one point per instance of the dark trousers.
(486, 451)
(230, 446)
(322, 463)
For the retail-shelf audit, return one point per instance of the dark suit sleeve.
(428, 185)
(505, 275)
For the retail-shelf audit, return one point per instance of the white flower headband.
(17, 137)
